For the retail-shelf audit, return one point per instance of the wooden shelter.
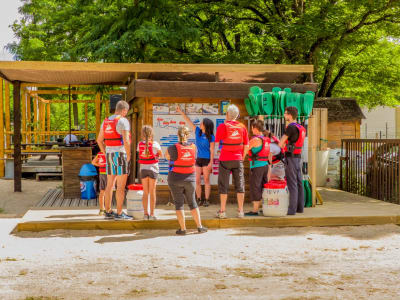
(144, 88)
(344, 119)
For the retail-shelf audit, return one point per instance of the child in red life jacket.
(100, 162)
(260, 158)
(149, 154)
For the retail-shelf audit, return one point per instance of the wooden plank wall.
(321, 125)
(342, 130)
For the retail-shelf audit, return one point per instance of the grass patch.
(174, 277)
(347, 277)
(1, 210)
(282, 274)
(42, 298)
(8, 259)
(23, 272)
(380, 249)
(246, 272)
(364, 247)
(312, 280)
(220, 286)
(136, 292)
(142, 275)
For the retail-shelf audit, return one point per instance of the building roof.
(340, 109)
(80, 73)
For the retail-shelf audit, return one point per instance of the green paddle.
(253, 103)
(259, 98)
(248, 107)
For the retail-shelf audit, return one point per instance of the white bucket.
(134, 204)
(275, 199)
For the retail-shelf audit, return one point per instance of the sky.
(8, 14)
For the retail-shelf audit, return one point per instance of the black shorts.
(183, 191)
(102, 182)
(224, 171)
(202, 162)
(258, 177)
(148, 173)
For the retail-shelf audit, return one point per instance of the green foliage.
(354, 45)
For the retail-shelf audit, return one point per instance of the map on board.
(165, 132)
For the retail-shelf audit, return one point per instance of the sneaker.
(260, 212)
(180, 232)
(152, 218)
(202, 229)
(109, 215)
(206, 203)
(251, 214)
(200, 202)
(240, 214)
(102, 212)
(221, 215)
(122, 216)
(146, 217)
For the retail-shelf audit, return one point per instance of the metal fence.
(371, 168)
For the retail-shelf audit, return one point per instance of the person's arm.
(95, 161)
(185, 117)
(269, 166)
(212, 147)
(127, 143)
(283, 140)
(167, 155)
(100, 141)
(245, 142)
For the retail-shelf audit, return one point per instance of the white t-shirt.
(274, 149)
(123, 124)
(152, 167)
(70, 138)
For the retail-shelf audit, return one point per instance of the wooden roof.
(121, 73)
(340, 109)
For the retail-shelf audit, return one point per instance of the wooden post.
(35, 119)
(29, 119)
(40, 120)
(86, 119)
(17, 137)
(48, 120)
(324, 128)
(98, 113)
(7, 115)
(1, 129)
(23, 111)
(43, 121)
(312, 147)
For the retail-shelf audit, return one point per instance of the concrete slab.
(339, 208)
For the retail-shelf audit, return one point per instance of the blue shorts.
(117, 163)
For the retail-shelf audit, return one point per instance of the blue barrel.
(88, 178)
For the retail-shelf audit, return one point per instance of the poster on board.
(165, 132)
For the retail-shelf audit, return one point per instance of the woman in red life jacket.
(260, 158)
(149, 154)
(100, 162)
(181, 179)
(205, 153)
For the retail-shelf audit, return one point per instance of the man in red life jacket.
(292, 143)
(234, 139)
(114, 141)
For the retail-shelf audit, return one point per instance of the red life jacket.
(264, 152)
(280, 156)
(102, 162)
(186, 159)
(234, 136)
(111, 135)
(296, 147)
(148, 159)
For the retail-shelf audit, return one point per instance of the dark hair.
(259, 124)
(292, 110)
(209, 128)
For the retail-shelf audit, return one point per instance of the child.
(100, 162)
(149, 154)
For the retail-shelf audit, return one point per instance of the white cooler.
(275, 199)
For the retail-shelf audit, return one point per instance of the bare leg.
(109, 191)
(206, 176)
(121, 183)
(101, 199)
(223, 198)
(180, 214)
(152, 192)
(256, 205)
(196, 216)
(240, 199)
(198, 182)
(145, 198)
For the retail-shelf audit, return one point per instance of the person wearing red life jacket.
(233, 138)
(292, 143)
(260, 158)
(182, 178)
(114, 141)
(100, 162)
(149, 154)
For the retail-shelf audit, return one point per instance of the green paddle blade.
(256, 90)
(254, 105)
(275, 97)
(259, 98)
(308, 199)
(284, 95)
(248, 107)
(287, 90)
(308, 103)
(276, 89)
(268, 105)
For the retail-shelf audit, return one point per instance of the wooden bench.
(38, 175)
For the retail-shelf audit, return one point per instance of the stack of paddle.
(272, 106)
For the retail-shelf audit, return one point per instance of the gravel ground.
(249, 263)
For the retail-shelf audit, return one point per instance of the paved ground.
(248, 263)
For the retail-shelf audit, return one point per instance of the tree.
(337, 37)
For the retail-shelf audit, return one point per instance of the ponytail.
(147, 134)
(183, 134)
